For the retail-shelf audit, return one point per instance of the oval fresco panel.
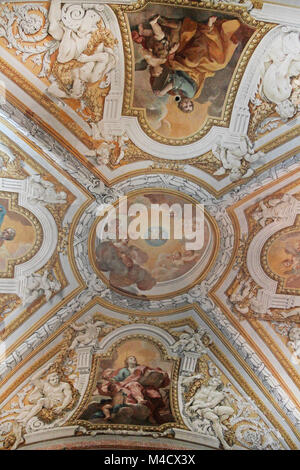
(158, 263)
(20, 235)
(283, 259)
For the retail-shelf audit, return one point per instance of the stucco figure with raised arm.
(50, 393)
(75, 27)
(208, 403)
(89, 333)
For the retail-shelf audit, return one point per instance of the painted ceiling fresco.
(169, 103)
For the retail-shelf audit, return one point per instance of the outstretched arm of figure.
(55, 30)
(165, 90)
(174, 48)
(199, 404)
(36, 377)
(211, 21)
(45, 276)
(157, 29)
(78, 328)
(189, 380)
(144, 32)
(100, 56)
(189, 403)
(169, 23)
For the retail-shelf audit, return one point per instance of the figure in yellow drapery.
(198, 50)
(204, 48)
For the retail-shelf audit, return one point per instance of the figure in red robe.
(134, 385)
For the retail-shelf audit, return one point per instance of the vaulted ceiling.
(165, 102)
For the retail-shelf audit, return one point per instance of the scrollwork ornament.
(31, 22)
(72, 16)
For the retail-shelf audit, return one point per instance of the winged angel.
(85, 53)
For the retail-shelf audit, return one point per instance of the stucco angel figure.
(236, 158)
(294, 342)
(208, 403)
(242, 294)
(8, 153)
(112, 150)
(44, 192)
(281, 64)
(277, 209)
(40, 284)
(50, 393)
(83, 57)
(90, 331)
(189, 342)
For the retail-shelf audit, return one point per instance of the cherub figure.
(294, 337)
(90, 332)
(40, 284)
(181, 344)
(276, 210)
(155, 45)
(280, 70)
(232, 157)
(111, 151)
(189, 342)
(44, 192)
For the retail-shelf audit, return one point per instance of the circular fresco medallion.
(21, 234)
(155, 259)
(282, 255)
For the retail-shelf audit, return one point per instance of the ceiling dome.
(149, 225)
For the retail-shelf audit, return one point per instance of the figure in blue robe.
(8, 233)
(2, 214)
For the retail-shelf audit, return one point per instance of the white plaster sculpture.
(111, 151)
(233, 156)
(102, 153)
(245, 298)
(25, 28)
(290, 313)
(8, 153)
(43, 192)
(49, 392)
(89, 333)
(208, 403)
(189, 342)
(280, 72)
(38, 285)
(277, 209)
(73, 26)
(294, 342)
(198, 294)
